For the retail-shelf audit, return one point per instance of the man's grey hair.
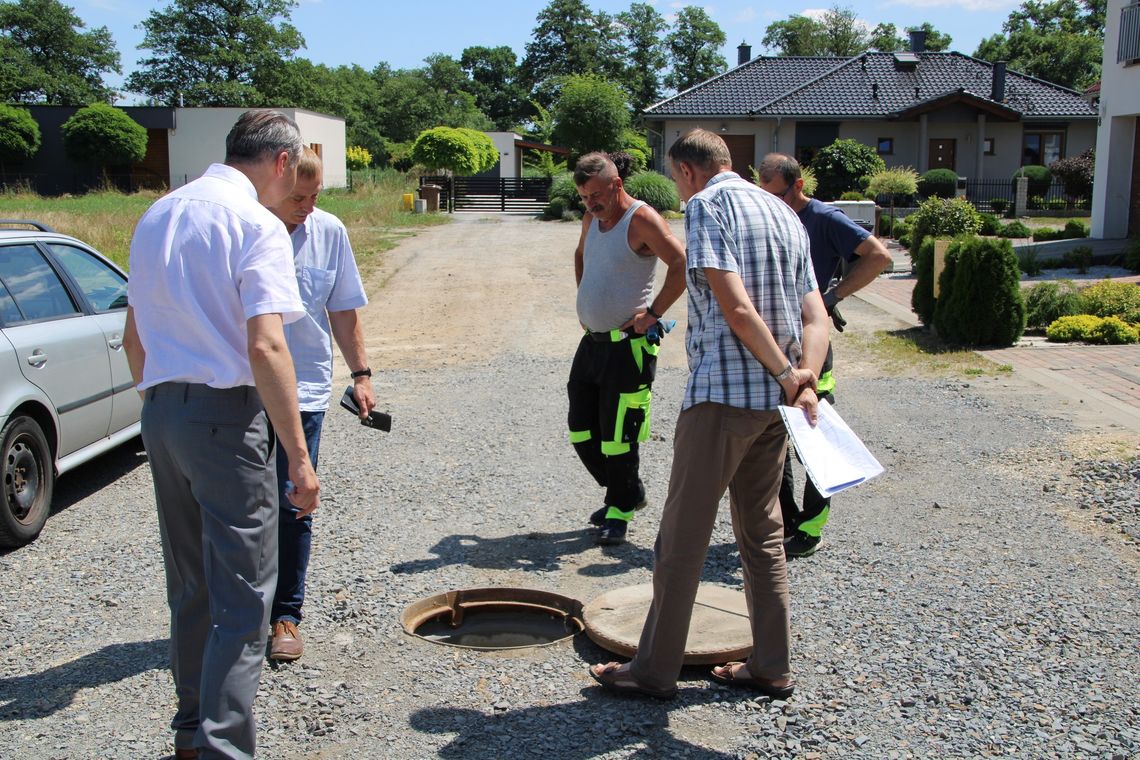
(701, 148)
(779, 165)
(259, 135)
(592, 165)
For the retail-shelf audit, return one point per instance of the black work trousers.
(609, 393)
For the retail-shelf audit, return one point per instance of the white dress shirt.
(204, 259)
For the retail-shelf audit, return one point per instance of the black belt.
(612, 336)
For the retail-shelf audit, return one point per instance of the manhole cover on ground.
(494, 618)
(719, 632)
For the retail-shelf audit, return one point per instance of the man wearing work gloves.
(613, 369)
(834, 238)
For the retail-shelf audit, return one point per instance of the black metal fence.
(998, 195)
(52, 184)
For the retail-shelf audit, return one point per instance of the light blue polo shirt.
(329, 281)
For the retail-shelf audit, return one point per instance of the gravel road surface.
(977, 600)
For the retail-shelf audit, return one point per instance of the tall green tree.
(494, 75)
(1060, 41)
(794, 36)
(209, 52)
(591, 114)
(885, 37)
(407, 102)
(843, 34)
(47, 57)
(935, 40)
(694, 49)
(566, 41)
(642, 30)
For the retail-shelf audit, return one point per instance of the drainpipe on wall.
(776, 135)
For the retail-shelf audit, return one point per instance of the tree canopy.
(210, 52)
(46, 57)
(103, 135)
(19, 134)
(694, 49)
(462, 151)
(591, 114)
(1060, 41)
(839, 32)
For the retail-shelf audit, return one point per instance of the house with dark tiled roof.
(918, 108)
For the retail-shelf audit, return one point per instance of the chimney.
(743, 53)
(997, 90)
(917, 40)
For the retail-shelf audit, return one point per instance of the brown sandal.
(727, 675)
(622, 683)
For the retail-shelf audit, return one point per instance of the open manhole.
(513, 618)
(494, 618)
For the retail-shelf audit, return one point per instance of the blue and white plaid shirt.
(733, 225)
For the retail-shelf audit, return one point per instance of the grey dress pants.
(212, 456)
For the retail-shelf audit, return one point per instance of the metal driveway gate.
(517, 194)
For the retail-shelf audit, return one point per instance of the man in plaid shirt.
(757, 337)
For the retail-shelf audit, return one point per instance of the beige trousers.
(715, 448)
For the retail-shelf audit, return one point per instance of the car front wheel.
(27, 484)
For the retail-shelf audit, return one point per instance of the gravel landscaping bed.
(974, 601)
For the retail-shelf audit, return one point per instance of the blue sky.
(402, 33)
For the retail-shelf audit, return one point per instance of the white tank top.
(616, 281)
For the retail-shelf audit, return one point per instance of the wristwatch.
(366, 372)
(785, 373)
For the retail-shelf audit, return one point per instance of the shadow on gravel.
(546, 552)
(42, 694)
(598, 725)
(91, 477)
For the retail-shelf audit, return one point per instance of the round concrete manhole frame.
(719, 632)
(453, 608)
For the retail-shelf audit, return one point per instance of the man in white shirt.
(210, 290)
(332, 292)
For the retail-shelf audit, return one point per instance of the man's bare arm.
(136, 354)
(650, 231)
(873, 259)
(579, 262)
(349, 336)
(277, 386)
(816, 338)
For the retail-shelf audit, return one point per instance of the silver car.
(66, 393)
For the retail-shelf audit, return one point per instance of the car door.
(105, 289)
(59, 350)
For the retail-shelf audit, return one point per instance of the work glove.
(837, 318)
(830, 299)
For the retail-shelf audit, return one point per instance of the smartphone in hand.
(375, 419)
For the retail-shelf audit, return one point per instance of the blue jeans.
(294, 536)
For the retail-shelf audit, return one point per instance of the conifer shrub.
(922, 296)
(1046, 302)
(655, 189)
(981, 302)
(1045, 234)
(563, 187)
(1080, 258)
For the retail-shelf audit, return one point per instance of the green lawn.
(372, 211)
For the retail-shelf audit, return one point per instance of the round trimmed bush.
(1092, 329)
(655, 189)
(842, 165)
(1015, 230)
(19, 134)
(943, 218)
(1039, 179)
(990, 225)
(562, 186)
(103, 135)
(852, 195)
(1114, 331)
(1076, 229)
(999, 205)
(938, 183)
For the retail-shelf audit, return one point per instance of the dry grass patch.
(915, 352)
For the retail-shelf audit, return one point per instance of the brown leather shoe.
(286, 645)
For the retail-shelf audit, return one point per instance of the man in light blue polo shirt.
(332, 292)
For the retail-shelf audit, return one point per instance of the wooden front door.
(742, 148)
(942, 152)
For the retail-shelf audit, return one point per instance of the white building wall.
(1116, 138)
(199, 139)
(509, 164)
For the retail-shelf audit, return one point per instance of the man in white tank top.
(609, 387)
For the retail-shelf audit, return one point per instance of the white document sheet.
(834, 457)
